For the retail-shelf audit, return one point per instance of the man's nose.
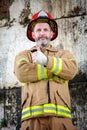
(42, 32)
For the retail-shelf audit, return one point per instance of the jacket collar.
(49, 48)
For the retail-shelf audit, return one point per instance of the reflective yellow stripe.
(26, 113)
(54, 65)
(23, 84)
(37, 110)
(57, 66)
(39, 71)
(72, 59)
(59, 79)
(46, 108)
(21, 60)
(63, 111)
(42, 72)
(50, 108)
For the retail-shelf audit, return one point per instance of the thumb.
(38, 48)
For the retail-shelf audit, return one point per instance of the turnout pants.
(48, 123)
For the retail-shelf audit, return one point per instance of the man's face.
(42, 34)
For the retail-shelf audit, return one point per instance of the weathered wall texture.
(73, 28)
(71, 16)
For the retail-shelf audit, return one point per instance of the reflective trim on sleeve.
(72, 59)
(42, 72)
(46, 108)
(59, 79)
(21, 60)
(57, 66)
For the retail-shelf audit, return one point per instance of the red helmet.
(42, 16)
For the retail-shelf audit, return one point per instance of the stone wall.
(10, 108)
(79, 104)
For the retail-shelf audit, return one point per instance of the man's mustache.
(42, 37)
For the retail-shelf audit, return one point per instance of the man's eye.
(46, 30)
(38, 30)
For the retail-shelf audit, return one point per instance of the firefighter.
(44, 72)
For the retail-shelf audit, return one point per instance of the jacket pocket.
(62, 100)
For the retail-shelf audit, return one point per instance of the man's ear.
(33, 35)
(51, 34)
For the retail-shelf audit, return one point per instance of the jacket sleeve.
(63, 65)
(27, 71)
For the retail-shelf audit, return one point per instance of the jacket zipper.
(48, 91)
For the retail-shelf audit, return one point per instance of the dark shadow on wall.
(78, 92)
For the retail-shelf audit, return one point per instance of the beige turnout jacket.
(45, 88)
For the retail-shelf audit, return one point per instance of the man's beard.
(41, 43)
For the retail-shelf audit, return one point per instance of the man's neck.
(42, 48)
